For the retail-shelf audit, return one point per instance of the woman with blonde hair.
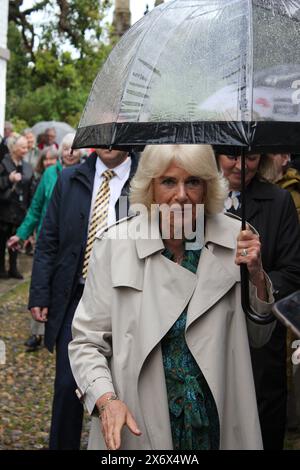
(160, 348)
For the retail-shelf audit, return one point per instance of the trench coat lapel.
(216, 271)
(176, 285)
(213, 279)
(169, 290)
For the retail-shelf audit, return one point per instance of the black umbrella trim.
(260, 136)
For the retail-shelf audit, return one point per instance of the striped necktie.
(99, 217)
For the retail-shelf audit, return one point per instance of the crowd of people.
(148, 330)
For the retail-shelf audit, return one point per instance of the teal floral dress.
(193, 412)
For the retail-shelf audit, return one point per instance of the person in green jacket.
(37, 210)
(36, 213)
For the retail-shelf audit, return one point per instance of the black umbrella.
(220, 72)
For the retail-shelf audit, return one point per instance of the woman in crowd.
(36, 213)
(48, 157)
(272, 212)
(16, 177)
(160, 346)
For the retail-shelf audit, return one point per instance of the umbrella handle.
(253, 316)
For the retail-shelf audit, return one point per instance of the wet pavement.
(24, 266)
(26, 378)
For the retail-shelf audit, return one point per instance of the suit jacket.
(126, 310)
(61, 244)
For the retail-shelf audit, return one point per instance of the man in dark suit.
(57, 277)
(272, 212)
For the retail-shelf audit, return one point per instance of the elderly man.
(50, 136)
(86, 198)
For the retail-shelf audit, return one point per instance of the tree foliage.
(54, 62)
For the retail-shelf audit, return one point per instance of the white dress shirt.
(116, 185)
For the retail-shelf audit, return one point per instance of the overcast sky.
(137, 7)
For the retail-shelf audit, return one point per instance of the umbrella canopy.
(61, 128)
(224, 72)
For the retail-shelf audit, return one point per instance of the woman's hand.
(114, 416)
(14, 243)
(249, 253)
(14, 177)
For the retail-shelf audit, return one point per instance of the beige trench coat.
(133, 295)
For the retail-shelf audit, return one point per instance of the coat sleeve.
(259, 335)
(91, 347)
(46, 252)
(34, 213)
(285, 275)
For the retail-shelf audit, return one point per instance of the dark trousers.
(67, 411)
(269, 368)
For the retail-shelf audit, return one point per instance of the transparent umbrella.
(156, 83)
(61, 128)
(199, 71)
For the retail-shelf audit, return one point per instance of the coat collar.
(260, 190)
(216, 232)
(85, 172)
(150, 241)
(171, 288)
(256, 192)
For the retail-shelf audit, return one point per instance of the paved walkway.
(26, 378)
(24, 266)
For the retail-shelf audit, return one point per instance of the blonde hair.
(68, 142)
(13, 140)
(268, 169)
(198, 160)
